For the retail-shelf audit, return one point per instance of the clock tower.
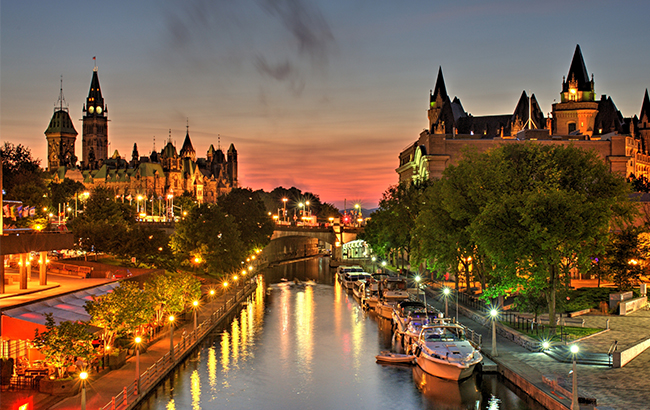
(95, 127)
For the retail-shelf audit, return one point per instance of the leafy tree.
(22, 177)
(64, 191)
(104, 224)
(624, 257)
(171, 293)
(546, 208)
(212, 235)
(121, 312)
(61, 344)
(327, 211)
(640, 184)
(247, 209)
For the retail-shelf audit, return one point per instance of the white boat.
(394, 289)
(350, 278)
(414, 324)
(443, 351)
(342, 270)
(384, 307)
(402, 311)
(358, 289)
(390, 357)
(370, 294)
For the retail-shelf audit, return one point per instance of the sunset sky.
(317, 94)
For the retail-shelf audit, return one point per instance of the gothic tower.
(61, 137)
(95, 127)
(232, 165)
(577, 109)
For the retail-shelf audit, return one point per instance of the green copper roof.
(61, 123)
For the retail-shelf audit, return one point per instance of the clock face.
(99, 110)
(91, 109)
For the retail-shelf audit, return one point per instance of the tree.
(327, 211)
(250, 215)
(22, 179)
(624, 257)
(104, 224)
(64, 192)
(61, 344)
(212, 235)
(545, 210)
(121, 312)
(171, 293)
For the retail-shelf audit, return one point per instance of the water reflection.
(313, 347)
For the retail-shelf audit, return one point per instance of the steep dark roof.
(522, 111)
(61, 123)
(488, 126)
(578, 71)
(644, 117)
(95, 92)
(609, 118)
(187, 149)
(440, 88)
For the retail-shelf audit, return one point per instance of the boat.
(402, 311)
(384, 307)
(390, 357)
(443, 351)
(416, 320)
(393, 288)
(342, 270)
(370, 294)
(447, 394)
(351, 277)
(358, 289)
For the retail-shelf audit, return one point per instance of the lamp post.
(196, 305)
(494, 313)
(445, 292)
(138, 340)
(83, 376)
(225, 294)
(374, 259)
(417, 282)
(574, 400)
(383, 266)
(284, 209)
(171, 336)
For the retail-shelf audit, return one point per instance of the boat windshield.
(444, 334)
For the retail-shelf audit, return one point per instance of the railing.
(132, 392)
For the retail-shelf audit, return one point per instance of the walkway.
(626, 388)
(102, 386)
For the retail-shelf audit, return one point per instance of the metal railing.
(132, 392)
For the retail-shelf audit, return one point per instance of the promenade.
(103, 386)
(626, 388)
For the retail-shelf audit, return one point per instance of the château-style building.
(168, 172)
(578, 119)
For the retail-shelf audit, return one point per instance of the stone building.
(168, 172)
(578, 119)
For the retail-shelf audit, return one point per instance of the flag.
(25, 211)
(12, 212)
(19, 211)
(32, 211)
(7, 211)
(129, 197)
(94, 58)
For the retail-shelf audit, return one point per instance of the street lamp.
(212, 292)
(83, 376)
(225, 294)
(374, 259)
(446, 291)
(383, 266)
(171, 336)
(284, 209)
(138, 340)
(196, 305)
(417, 281)
(494, 313)
(574, 400)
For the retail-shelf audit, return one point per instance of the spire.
(439, 89)
(188, 150)
(644, 117)
(578, 73)
(95, 101)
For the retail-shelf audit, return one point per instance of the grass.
(569, 333)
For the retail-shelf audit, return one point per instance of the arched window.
(572, 127)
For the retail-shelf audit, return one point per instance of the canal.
(312, 347)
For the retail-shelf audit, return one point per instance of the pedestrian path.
(626, 388)
(103, 386)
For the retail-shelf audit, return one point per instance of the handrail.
(168, 361)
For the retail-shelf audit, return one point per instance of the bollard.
(125, 401)
(583, 323)
(607, 324)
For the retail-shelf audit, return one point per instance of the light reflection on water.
(313, 347)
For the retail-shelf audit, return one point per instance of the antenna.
(218, 141)
(154, 143)
(530, 123)
(187, 126)
(170, 135)
(61, 99)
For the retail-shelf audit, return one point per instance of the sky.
(317, 94)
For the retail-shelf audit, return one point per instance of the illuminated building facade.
(164, 173)
(578, 119)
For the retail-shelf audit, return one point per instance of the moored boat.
(443, 351)
(390, 357)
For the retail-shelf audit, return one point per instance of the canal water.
(312, 347)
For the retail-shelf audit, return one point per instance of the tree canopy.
(250, 215)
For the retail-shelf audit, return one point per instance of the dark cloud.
(283, 72)
(306, 24)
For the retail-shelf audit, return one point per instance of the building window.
(572, 127)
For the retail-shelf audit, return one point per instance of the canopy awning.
(21, 322)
